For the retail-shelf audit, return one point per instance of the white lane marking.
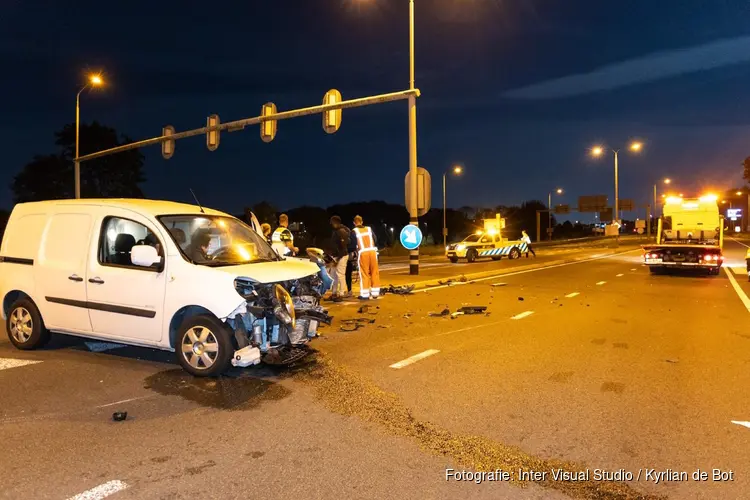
(414, 359)
(7, 363)
(620, 275)
(503, 275)
(101, 491)
(523, 315)
(499, 284)
(102, 346)
(571, 295)
(601, 282)
(740, 293)
(634, 269)
(737, 241)
(742, 423)
(122, 402)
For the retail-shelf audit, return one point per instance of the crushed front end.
(277, 320)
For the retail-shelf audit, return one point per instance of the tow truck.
(488, 242)
(690, 235)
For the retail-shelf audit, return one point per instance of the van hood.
(273, 272)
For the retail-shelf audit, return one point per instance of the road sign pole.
(538, 224)
(413, 208)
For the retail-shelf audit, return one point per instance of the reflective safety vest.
(279, 244)
(365, 239)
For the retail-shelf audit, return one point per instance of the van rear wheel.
(204, 346)
(25, 327)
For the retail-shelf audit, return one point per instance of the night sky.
(516, 91)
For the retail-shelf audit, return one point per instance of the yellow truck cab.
(488, 242)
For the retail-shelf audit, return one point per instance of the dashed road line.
(634, 269)
(620, 275)
(743, 423)
(523, 315)
(601, 282)
(414, 359)
(571, 295)
(8, 363)
(101, 491)
(740, 293)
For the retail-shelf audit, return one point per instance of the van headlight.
(461, 247)
(283, 307)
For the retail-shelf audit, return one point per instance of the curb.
(500, 272)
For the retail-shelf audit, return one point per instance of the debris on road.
(473, 309)
(499, 284)
(119, 416)
(397, 290)
(350, 325)
(520, 299)
(444, 312)
(365, 309)
(672, 360)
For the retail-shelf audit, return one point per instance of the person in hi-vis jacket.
(525, 238)
(369, 274)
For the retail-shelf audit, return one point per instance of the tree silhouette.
(49, 177)
(266, 213)
(746, 169)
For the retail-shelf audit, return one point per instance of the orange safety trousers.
(369, 275)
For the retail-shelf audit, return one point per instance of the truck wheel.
(453, 259)
(514, 253)
(471, 255)
(204, 347)
(25, 327)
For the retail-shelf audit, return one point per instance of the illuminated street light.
(597, 151)
(93, 81)
(549, 212)
(739, 193)
(457, 170)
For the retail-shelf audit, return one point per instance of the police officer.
(282, 239)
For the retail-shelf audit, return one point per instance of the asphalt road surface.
(594, 366)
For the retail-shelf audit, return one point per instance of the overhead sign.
(592, 203)
(212, 136)
(332, 119)
(424, 191)
(605, 215)
(640, 223)
(167, 147)
(268, 127)
(411, 237)
(734, 213)
(626, 205)
(562, 209)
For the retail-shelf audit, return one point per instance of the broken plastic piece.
(246, 356)
(472, 309)
(119, 416)
(444, 312)
(520, 298)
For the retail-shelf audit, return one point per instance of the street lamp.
(456, 170)
(597, 151)
(653, 215)
(93, 81)
(549, 212)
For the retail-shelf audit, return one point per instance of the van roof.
(151, 207)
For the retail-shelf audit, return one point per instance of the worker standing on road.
(339, 245)
(525, 239)
(369, 275)
(282, 239)
(352, 259)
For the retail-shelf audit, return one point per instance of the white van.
(156, 274)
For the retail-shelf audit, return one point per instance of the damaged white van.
(157, 274)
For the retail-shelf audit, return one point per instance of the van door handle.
(98, 281)
(75, 277)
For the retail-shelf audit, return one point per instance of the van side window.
(485, 239)
(119, 236)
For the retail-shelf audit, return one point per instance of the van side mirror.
(144, 256)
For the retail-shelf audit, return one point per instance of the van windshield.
(217, 241)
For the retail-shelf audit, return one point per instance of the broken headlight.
(283, 307)
(245, 287)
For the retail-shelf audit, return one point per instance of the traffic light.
(212, 136)
(268, 127)
(167, 147)
(332, 118)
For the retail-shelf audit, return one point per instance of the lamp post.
(94, 81)
(597, 151)
(653, 210)
(457, 170)
(549, 212)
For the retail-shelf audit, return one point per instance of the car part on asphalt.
(472, 309)
(444, 312)
(119, 416)
(397, 290)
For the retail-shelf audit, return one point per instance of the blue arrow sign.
(411, 237)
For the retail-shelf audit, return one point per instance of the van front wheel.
(204, 347)
(25, 327)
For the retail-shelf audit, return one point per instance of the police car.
(486, 243)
